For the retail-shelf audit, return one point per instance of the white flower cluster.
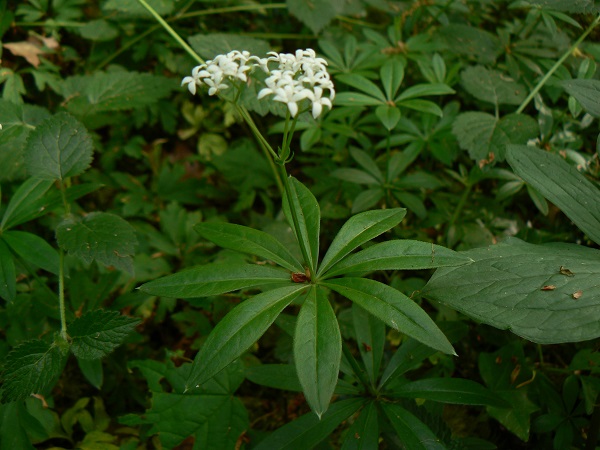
(300, 76)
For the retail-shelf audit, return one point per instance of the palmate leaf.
(393, 308)
(357, 230)
(58, 148)
(308, 430)
(317, 350)
(215, 279)
(560, 183)
(400, 254)
(548, 294)
(238, 330)
(97, 333)
(248, 240)
(31, 368)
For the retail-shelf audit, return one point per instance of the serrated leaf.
(363, 434)
(413, 433)
(215, 279)
(398, 254)
(394, 308)
(97, 333)
(472, 42)
(210, 45)
(238, 330)
(483, 134)
(8, 275)
(306, 216)
(560, 183)
(103, 237)
(492, 86)
(113, 91)
(503, 288)
(58, 148)
(33, 249)
(248, 240)
(451, 390)
(31, 368)
(357, 230)
(317, 350)
(308, 430)
(315, 15)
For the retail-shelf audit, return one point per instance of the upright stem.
(61, 294)
(558, 63)
(461, 204)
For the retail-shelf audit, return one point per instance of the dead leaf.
(577, 294)
(564, 271)
(548, 287)
(27, 50)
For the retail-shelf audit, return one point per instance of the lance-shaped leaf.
(33, 249)
(8, 275)
(359, 229)
(370, 337)
(25, 202)
(99, 236)
(249, 240)
(306, 215)
(392, 75)
(238, 330)
(560, 183)
(587, 92)
(97, 333)
(215, 279)
(308, 430)
(399, 255)
(58, 148)
(393, 308)
(31, 368)
(364, 432)
(548, 294)
(451, 390)
(413, 433)
(317, 350)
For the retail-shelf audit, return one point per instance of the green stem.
(558, 63)
(461, 204)
(172, 32)
(61, 294)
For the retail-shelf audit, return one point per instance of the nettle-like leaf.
(103, 237)
(58, 148)
(548, 294)
(492, 86)
(32, 368)
(315, 15)
(97, 333)
(484, 135)
(115, 91)
(587, 92)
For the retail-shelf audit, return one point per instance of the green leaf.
(209, 45)
(114, 91)
(13, 433)
(277, 376)
(363, 434)
(398, 254)
(249, 240)
(527, 289)
(370, 337)
(33, 249)
(492, 86)
(306, 215)
(413, 433)
(93, 371)
(571, 6)
(451, 390)
(31, 368)
(103, 237)
(8, 275)
(363, 84)
(356, 176)
(560, 183)
(317, 350)
(393, 308)
(315, 15)
(392, 75)
(425, 89)
(308, 430)
(472, 42)
(388, 116)
(367, 163)
(238, 330)
(58, 148)
(97, 333)
(483, 134)
(134, 8)
(355, 99)
(357, 230)
(24, 203)
(367, 199)
(215, 279)
(423, 106)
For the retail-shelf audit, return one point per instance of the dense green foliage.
(411, 263)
